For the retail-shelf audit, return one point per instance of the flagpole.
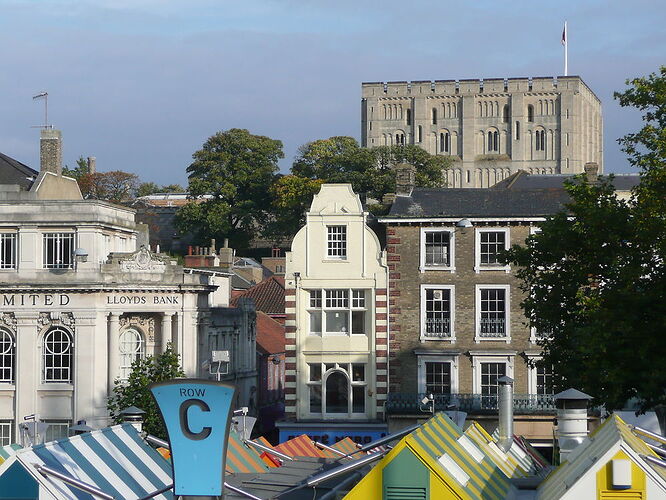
(566, 50)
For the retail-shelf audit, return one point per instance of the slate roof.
(14, 172)
(477, 202)
(523, 180)
(268, 296)
(270, 334)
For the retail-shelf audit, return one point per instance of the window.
(419, 134)
(517, 130)
(540, 140)
(409, 117)
(337, 242)
(490, 374)
(492, 312)
(437, 374)
(493, 142)
(437, 249)
(530, 113)
(333, 311)
(57, 350)
(7, 357)
(437, 312)
(58, 250)
(132, 348)
(7, 250)
(505, 113)
(544, 379)
(434, 116)
(6, 432)
(438, 378)
(337, 388)
(444, 142)
(57, 429)
(490, 243)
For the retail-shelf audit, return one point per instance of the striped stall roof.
(269, 460)
(346, 445)
(440, 436)
(8, 450)
(613, 433)
(114, 459)
(241, 458)
(300, 446)
(515, 463)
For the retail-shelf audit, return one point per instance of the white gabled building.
(336, 322)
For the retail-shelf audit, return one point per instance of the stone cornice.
(101, 288)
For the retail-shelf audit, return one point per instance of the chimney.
(50, 151)
(505, 395)
(405, 177)
(591, 172)
(92, 164)
(571, 420)
(226, 255)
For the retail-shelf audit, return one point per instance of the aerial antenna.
(45, 96)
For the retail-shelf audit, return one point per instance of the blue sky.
(141, 84)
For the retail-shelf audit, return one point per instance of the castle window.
(517, 130)
(530, 113)
(409, 117)
(505, 113)
(493, 142)
(419, 134)
(434, 116)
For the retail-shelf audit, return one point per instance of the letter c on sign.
(184, 423)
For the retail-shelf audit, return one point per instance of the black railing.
(523, 404)
(437, 327)
(493, 327)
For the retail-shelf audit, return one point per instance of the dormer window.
(336, 247)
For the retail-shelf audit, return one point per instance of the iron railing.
(523, 404)
(493, 327)
(437, 327)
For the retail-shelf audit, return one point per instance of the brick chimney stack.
(92, 164)
(50, 151)
(405, 178)
(591, 172)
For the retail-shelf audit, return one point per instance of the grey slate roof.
(14, 172)
(524, 180)
(479, 202)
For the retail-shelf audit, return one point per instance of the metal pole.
(46, 471)
(241, 492)
(269, 450)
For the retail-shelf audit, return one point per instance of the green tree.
(147, 188)
(594, 277)
(237, 169)
(135, 391)
(77, 172)
(292, 196)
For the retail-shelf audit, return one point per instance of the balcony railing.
(437, 327)
(493, 327)
(401, 403)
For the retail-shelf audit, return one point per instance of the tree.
(236, 169)
(135, 391)
(79, 171)
(292, 196)
(594, 277)
(147, 188)
(116, 186)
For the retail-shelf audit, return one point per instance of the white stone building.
(490, 128)
(336, 322)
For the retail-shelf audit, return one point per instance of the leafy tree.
(116, 186)
(292, 196)
(147, 188)
(237, 169)
(79, 171)
(135, 391)
(172, 188)
(594, 278)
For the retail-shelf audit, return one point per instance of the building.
(336, 325)
(491, 128)
(271, 355)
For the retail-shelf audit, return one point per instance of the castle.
(490, 128)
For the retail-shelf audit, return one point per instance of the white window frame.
(452, 246)
(127, 358)
(350, 309)
(68, 354)
(532, 372)
(479, 357)
(347, 370)
(57, 423)
(327, 250)
(507, 314)
(452, 359)
(58, 235)
(452, 315)
(478, 267)
(6, 432)
(7, 351)
(13, 236)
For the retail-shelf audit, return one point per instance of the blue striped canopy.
(114, 459)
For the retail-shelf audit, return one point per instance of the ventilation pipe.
(571, 420)
(505, 439)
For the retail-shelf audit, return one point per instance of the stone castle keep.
(491, 128)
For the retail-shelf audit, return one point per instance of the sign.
(197, 414)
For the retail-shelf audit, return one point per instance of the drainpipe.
(505, 439)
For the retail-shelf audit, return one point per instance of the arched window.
(490, 141)
(496, 141)
(444, 142)
(543, 140)
(7, 357)
(340, 391)
(57, 352)
(434, 116)
(337, 393)
(530, 113)
(540, 140)
(132, 348)
(505, 113)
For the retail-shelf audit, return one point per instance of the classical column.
(28, 374)
(166, 331)
(113, 330)
(178, 333)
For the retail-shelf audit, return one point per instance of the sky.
(141, 84)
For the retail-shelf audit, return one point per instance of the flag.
(564, 35)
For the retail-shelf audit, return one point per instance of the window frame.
(59, 423)
(507, 313)
(532, 374)
(69, 354)
(14, 247)
(452, 249)
(346, 369)
(9, 353)
(323, 310)
(6, 438)
(423, 315)
(451, 359)
(478, 358)
(478, 267)
(125, 369)
(59, 237)
(344, 243)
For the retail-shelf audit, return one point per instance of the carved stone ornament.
(143, 260)
(146, 323)
(8, 320)
(54, 318)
